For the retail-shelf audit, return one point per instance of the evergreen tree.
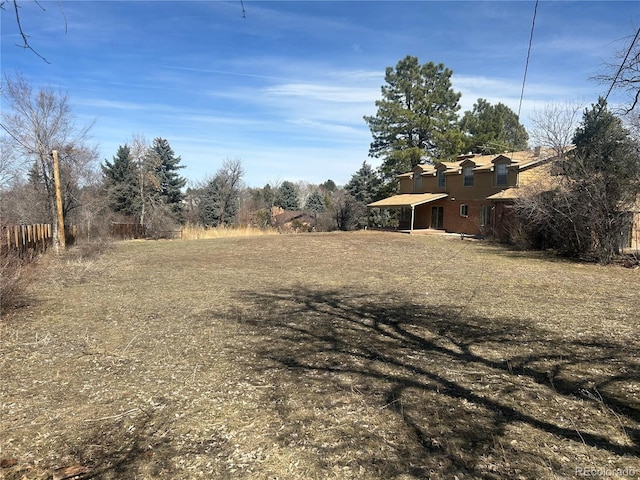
(120, 182)
(364, 185)
(416, 117)
(606, 148)
(268, 196)
(492, 129)
(217, 207)
(220, 200)
(315, 202)
(586, 214)
(329, 185)
(287, 197)
(166, 169)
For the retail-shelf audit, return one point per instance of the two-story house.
(471, 195)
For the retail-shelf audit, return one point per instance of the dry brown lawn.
(321, 356)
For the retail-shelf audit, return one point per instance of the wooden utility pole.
(56, 179)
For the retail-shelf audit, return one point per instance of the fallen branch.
(115, 417)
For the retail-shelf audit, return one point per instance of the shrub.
(15, 276)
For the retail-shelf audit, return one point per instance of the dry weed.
(198, 232)
(328, 356)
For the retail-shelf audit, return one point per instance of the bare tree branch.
(624, 75)
(25, 38)
(555, 124)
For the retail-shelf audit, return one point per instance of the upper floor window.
(502, 174)
(468, 176)
(417, 181)
(441, 179)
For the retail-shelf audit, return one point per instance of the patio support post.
(413, 209)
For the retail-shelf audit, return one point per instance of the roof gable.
(468, 163)
(501, 159)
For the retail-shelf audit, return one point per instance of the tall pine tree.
(416, 117)
(166, 171)
(315, 202)
(492, 129)
(120, 180)
(364, 185)
(287, 197)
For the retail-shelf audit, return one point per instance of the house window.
(441, 179)
(502, 174)
(468, 176)
(485, 215)
(464, 210)
(417, 182)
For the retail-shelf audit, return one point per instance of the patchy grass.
(363, 355)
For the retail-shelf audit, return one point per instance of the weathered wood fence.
(27, 238)
(127, 230)
(32, 239)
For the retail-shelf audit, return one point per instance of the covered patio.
(408, 201)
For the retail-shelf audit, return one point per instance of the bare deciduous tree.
(8, 167)
(219, 201)
(555, 125)
(15, 6)
(587, 210)
(624, 73)
(38, 122)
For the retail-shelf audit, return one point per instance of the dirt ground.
(362, 355)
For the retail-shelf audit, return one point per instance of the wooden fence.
(27, 238)
(127, 230)
(32, 239)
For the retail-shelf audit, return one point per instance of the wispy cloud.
(285, 89)
(110, 104)
(324, 93)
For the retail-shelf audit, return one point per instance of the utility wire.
(27, 148)
(526, 67)
(524, 78)
(615, 79)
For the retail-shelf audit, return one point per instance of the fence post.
(56, 177)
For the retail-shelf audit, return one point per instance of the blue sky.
(285, 88)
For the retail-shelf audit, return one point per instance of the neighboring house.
(293, 220)
(472, 195)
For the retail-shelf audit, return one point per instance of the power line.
(624, 61)
(27, 148)
(526, 67)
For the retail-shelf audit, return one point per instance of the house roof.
(507, 194)
(407, 200)
(520, 160)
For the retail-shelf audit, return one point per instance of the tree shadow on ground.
(459, 386)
